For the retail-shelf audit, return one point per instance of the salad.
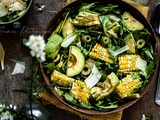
(11, 9)
(99, 56)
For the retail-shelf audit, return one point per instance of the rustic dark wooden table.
(34, 23)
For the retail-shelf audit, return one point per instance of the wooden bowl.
(124, 6)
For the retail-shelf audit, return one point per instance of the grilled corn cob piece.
(80, 91)
(127, 63)
(61, 79)
(127, 86)
(101, 53)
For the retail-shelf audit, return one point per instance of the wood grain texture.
(34, 23)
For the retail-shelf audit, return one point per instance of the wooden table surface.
(34, 23)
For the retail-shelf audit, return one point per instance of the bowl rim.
(28, 7)
(120, 107)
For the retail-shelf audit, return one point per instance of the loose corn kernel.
(127, 86)
(80, 91)
(61, 79)
(60, 64)
(101, 53)
(127, 63)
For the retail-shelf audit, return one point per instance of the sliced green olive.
(104, 41)
(57, 58)
(86, 70)
(140, 43)
(86, 38)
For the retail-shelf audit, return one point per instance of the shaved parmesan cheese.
(23, 3)
(121, 50)
(68, 40)
(3, 10)
(16, 6)
(19, 68)
(7, 2)
(141, 64)
(93, 78)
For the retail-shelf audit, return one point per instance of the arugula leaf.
(150, 69)
(107, 8)
(59, 91)
(50, 67)
(86, 6)
(148, 53)
(144, 34)
(111, 105)
(70, 99)
(136, 76)
(104, 20)
(83, 105)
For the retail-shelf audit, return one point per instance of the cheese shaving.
(19, 68)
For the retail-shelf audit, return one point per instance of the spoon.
(156, 19)
(157, 97)
(2, 52)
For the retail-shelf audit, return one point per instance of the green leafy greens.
(112, 27)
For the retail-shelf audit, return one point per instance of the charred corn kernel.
(127, 63)
(61, 79)
(127, 86)
(101, 53)
(60, 64)
(80, 91)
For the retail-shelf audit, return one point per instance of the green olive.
(140, 43)
(57, 58)
(86, 70)
(86, 38)
(104, 41)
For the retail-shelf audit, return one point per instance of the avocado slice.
(130, 42)
(76, 61)
(86, 19)
(131, 23)
(53, 45)
(68, 27)
(130, 45)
